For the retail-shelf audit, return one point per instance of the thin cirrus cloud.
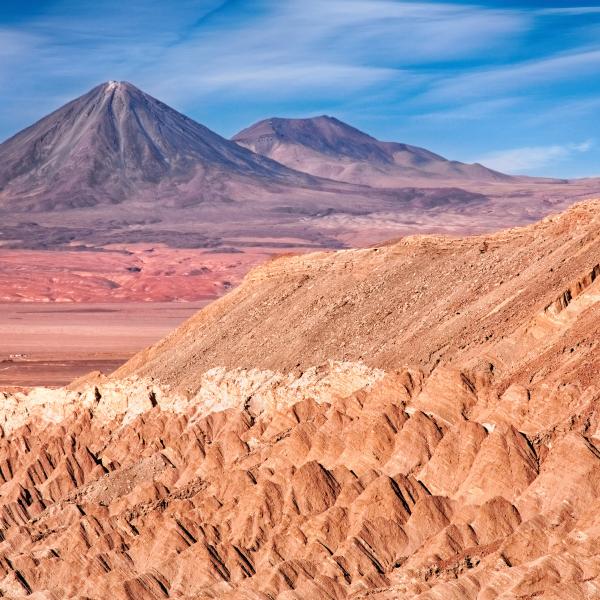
(333, 46)
(570, 11)
(395, 32)
(529, 159)
(365, 41)
(471, 111)
(13, 42)
(530, 74)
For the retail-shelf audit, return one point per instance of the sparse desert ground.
(133, 273)
(51, 344)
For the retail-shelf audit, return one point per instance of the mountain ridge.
(328, 147)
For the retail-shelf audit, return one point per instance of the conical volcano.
(117, 143)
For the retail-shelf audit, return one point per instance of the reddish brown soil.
(138, 273)
(159, 273)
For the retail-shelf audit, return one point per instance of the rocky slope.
(422, 300)
(327, 147)
(417, 420)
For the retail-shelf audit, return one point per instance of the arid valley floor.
(53, 344)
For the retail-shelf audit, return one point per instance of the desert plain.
(53, 344)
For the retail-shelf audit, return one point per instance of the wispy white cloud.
(88, 41)
(577, 109)
(528, 159)
(14, 42)
(472, 111)
(570, 11)
(396, 32)
(279, 45)
(333, 48)
(518, 77)
(293, 78)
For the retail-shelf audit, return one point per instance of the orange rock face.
(463, 466)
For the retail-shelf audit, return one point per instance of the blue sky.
(515, 85)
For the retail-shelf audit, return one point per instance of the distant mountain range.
(117, 166)
(117, 143)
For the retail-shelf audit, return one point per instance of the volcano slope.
(416, 420)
